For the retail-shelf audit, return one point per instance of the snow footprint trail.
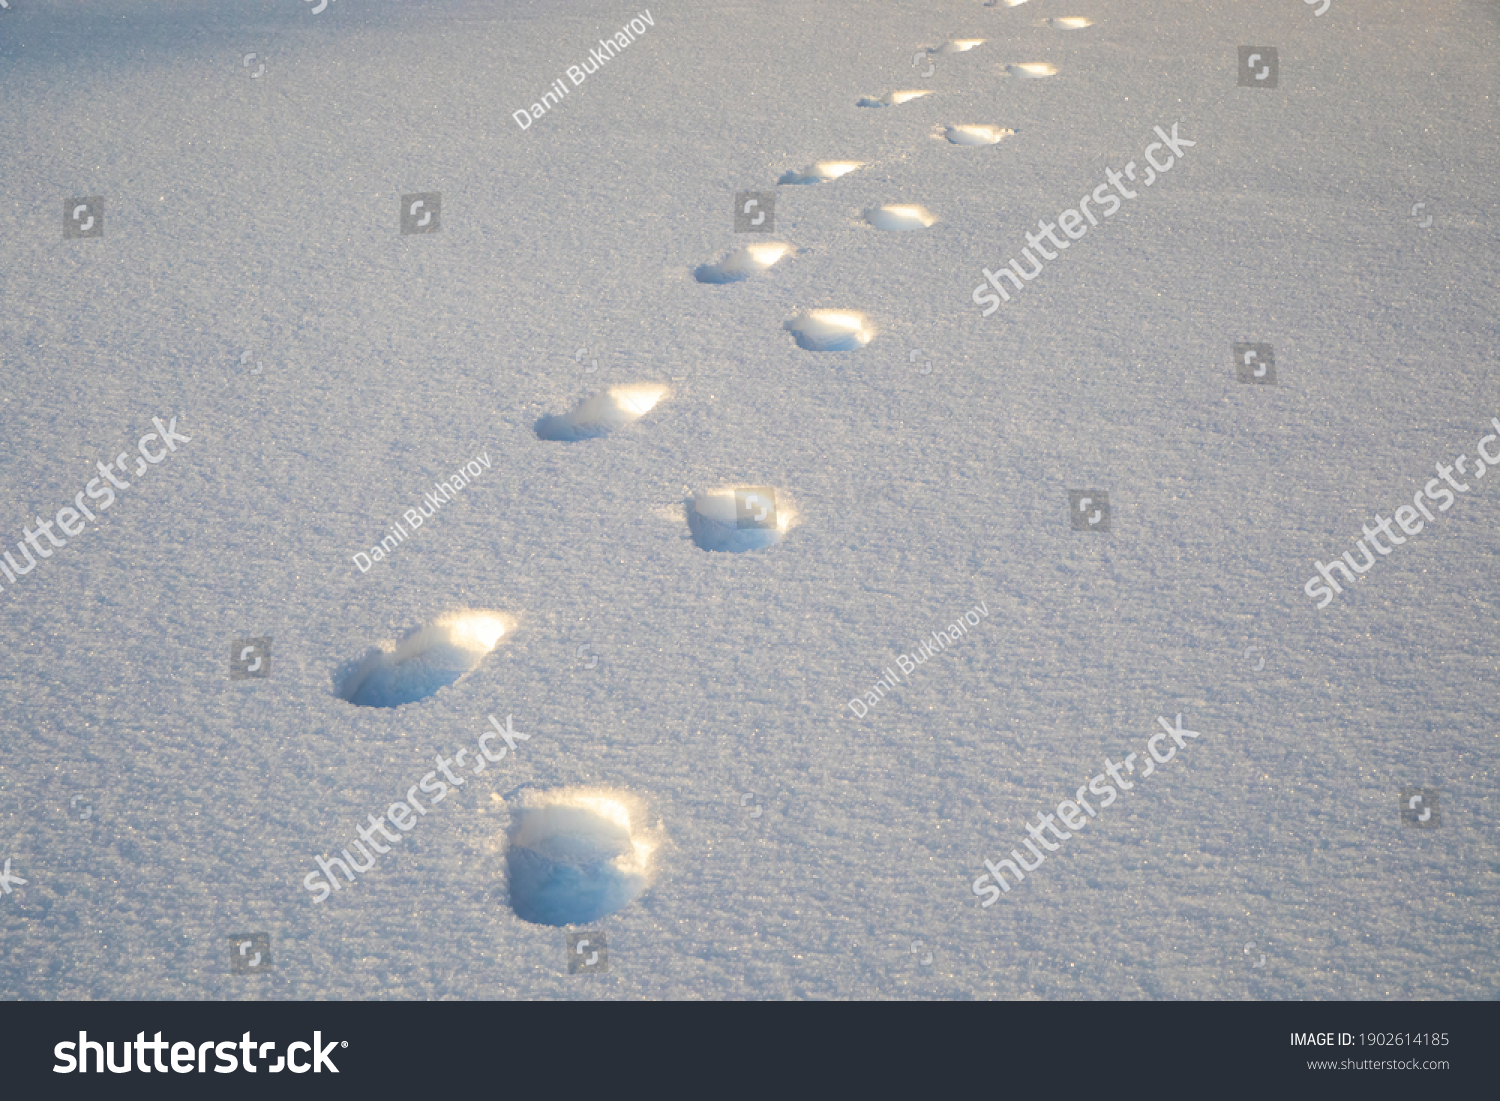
(738, 518)
(600, 414)
(428, 658)
(742, 263)
(575, 856)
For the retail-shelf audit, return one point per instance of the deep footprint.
(574, 856)
(742, 263)
(830, 330)
(600, 414)
(428, 658)
(821, 172)
(737, 518)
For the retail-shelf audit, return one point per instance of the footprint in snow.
(1032, 70)
(576, 855)
(742, 263)
(738, 518)
(830, 330)
(975, 135)
(821, 172)
(430, 657)
(893, 99)
(899, 217)
(600, 414)
(957, 46)
(1069, 22)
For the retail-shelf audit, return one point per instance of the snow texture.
(417, 280)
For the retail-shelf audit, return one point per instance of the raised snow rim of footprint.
(713, 517)
(830, 330)
(577, 854)
(976, 134)
(742, 263)
(1032, 69)
(427, 658)
(893, 99)
(900, 217)
(1070, 22)
(820, 172)
(958, 45)
(601, 413)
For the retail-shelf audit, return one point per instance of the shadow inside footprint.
(428, 658)
(600, 414)
(573, 858)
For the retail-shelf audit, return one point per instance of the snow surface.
(329, 370)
